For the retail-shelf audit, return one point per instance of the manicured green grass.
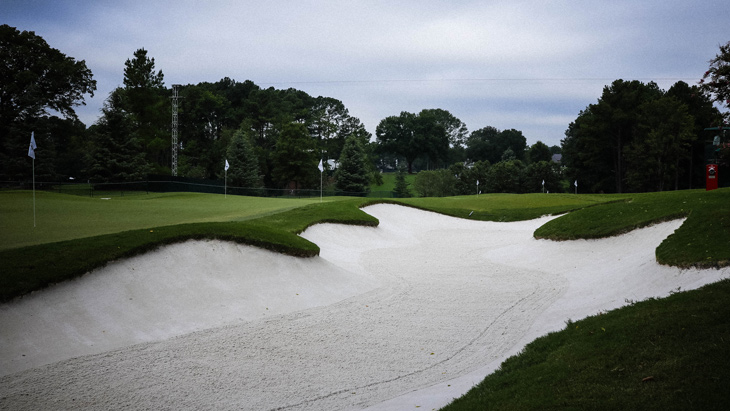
(30, 268)
(64, 217)
(703, 240)
(666, 354)
(506, 207)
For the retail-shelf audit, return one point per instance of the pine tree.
(401, 186)
(295, 158)
(352, 174)
(116, 154)
(244, 170)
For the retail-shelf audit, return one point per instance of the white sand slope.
(411, 313)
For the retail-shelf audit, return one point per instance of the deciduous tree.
(34, 78)
(539, 152)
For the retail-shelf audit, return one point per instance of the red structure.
(711, 177)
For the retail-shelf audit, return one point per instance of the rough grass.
(658, 354)
(389, 182)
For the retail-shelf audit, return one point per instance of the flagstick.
(225, 184)
(320, 186)
(34, 193)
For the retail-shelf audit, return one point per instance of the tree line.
(638, 137)
(276, 138)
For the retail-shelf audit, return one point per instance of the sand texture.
(409, 314)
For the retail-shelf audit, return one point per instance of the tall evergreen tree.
(147, 102)
(401, 185)
(352, 173)
(653, 160)
(295, 158)
(116, 153)
(244, 170)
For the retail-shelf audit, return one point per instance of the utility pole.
(174, 129)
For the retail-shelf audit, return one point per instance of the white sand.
(409, 314)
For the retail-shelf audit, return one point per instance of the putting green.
(65, 217)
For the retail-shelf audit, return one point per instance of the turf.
(30, 268)
(506, 207)
(702, 241)
(64, 217)
(666, 354)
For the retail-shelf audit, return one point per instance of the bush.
(506, 177)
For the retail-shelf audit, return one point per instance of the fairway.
(66, 217)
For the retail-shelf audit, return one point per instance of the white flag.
(320, 166)
(543, 182)
(477, 182)
(576, 183)
(33, 146)
(227, 166)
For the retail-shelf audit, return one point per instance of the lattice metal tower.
(175, 144)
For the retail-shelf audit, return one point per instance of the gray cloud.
(510, 64)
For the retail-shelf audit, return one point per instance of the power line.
(487, 79)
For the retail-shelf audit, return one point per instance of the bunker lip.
(411, 313)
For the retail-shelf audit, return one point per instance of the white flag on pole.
(543, 182)
(227, 165)
(576, 183)
(477, 182)
(320, 166)
(33, 146)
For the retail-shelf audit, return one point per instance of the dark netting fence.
(171, 184)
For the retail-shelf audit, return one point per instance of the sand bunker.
(411, 313)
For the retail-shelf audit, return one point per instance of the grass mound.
(31, 268)
(702, 241)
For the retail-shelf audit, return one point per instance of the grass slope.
(64, 217)
(31, 268)
(658, 354)
(703, 240)
(506, 207)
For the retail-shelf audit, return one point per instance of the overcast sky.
(528, 65)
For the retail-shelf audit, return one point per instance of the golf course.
(560, 300)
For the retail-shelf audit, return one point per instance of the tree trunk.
(618, 163)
